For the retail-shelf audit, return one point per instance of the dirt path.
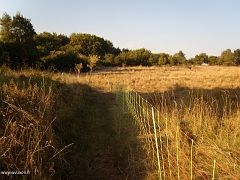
(101, 159)
(101, 142)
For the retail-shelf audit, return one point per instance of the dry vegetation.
(33, 109)
(203, 101)
(60, 126)
(43, 113)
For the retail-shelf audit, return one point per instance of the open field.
(159, 79)
(204, 99)
(66, 109)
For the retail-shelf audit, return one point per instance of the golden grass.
(27, 137)
(31, 104)
(62, 126)
(205, 99)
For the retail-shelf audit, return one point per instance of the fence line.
(173, 154)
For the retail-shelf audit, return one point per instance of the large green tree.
(213, 60)
(47, 42)
(87, 44)
(17, 35)
(163, 59)
(108, 60)
(139, 57)
(178, 59)
(133, 57)
(201, 58)
(226, 58)
(154, 59)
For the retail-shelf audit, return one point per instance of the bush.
(64, 61)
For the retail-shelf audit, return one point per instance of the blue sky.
(209, 26)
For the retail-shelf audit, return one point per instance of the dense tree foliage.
(179, 59)
(47, 42)
(17, 35)
(163, 59)
(88, 44)
(201, 58)
(213, 60)
(1, 53)
(64, 61)
(237, 57)
(20, 45)
(133, 57)
(226, 58)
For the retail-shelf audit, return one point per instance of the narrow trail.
(104, 142)
(102, 161)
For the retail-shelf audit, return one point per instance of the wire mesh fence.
(171, 150)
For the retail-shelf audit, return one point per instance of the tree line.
(21, 46)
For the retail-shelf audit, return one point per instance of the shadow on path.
(104, 140)
(105, 143)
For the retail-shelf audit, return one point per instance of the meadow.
(202, 101)
(60, 125)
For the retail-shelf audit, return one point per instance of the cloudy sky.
(209, 26)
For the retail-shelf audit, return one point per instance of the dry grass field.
(159, 79)
(82, 110)
(204, 98)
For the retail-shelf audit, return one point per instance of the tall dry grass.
(211, 120)
(32, 110)
(202, 101)
(26, 136)
(34, 127)
(60, 126)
